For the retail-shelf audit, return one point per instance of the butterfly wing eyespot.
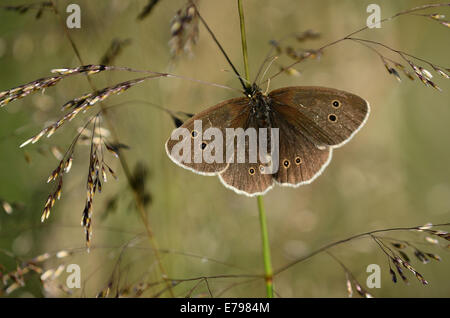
(332, 118)
(251, 171)
(194, 134)
(286, 163)
(203, 145)
(298, 160)
(336, 104)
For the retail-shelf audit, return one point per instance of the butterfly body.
(260, 108)
(311, 121)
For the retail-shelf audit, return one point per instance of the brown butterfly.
(310, 122)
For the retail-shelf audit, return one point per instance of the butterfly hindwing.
(300, 161)
(247, 177)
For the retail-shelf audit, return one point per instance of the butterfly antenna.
(267, 58)
(240, 77)
(246, 87)
(268, 84)
(268, 67)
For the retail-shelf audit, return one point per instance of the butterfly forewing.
(228, 114)
(326, 116)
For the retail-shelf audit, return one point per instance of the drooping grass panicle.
(97, 173)
(184, 30)
(296, 54)
(399, 258)
(57, 175)
(351, 281)
(26, 89)
(443, 71)
(412, 62)
(84, 103)
(278, 48)
(123, 161)
(43, 83)
(137, 287)
(392, 248)
(91, 98)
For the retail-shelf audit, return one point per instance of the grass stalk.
(244, 42)
(262, 213)
(266, 247)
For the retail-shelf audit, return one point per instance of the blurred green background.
(393, 173)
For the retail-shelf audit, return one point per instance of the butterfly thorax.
(260, 109)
